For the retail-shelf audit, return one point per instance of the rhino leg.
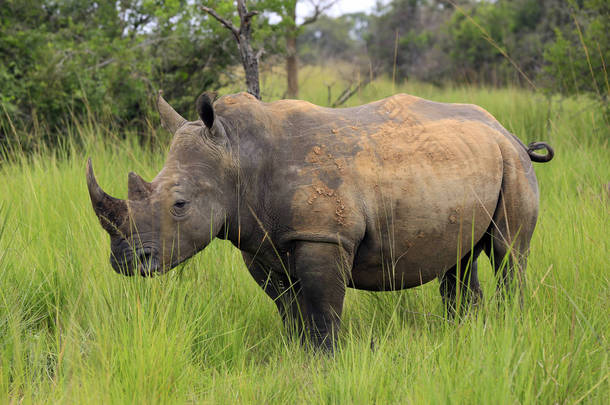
(508, 256)
(462, 277)
(283, 291)
(322, 269)
(511, 230)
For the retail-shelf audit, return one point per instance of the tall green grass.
(73, 331)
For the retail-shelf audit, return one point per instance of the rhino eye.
(179, 208)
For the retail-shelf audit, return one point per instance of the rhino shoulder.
(234, 100)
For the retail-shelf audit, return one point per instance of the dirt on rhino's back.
(410, 182)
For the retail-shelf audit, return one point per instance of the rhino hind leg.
(509, 260)
(510, 233)
(459, 286)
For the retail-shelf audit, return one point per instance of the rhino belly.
(422, 223)
(414, 250)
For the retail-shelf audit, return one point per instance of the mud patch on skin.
(454, 216)
(320, 155)
(340, 211)
(326, 166)
(229, 100)
(319, 190)
(340, 163)
(317, 154)
(322, 189)
(390, 139)
(327, 172)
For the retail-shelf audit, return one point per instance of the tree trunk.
(243, 37)
(250, 62)
(248, 58)
(292, 63)
(292, 66)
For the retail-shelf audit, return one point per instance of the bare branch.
(228, 24)
(242, 10)
(249, 15)
(313, 18)
(350, 91)
(319, 8)
(244, 16)
(243, 37)
(259, 53)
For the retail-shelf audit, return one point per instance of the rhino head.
(166, 221)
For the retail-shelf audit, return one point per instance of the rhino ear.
(205, 108)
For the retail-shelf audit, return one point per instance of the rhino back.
(399, 182)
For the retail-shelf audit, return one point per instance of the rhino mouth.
(149, 265)
(143, 261)
(147, 261)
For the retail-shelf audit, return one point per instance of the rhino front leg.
(321, 269)
(283, 290)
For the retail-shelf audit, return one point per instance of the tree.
(287, 10)
(243, 37)
(579, 55)
(329, 39)
(68, 59)
(403, 34)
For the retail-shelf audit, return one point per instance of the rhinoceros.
(385, 196)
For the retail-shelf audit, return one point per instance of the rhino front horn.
(170, 119)
(110, 211)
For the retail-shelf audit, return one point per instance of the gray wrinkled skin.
(384, 196)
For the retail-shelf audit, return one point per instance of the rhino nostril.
(146, 261)
(144, 258)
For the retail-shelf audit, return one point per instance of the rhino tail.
(536, 157)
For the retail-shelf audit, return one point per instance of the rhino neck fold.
(246, 223)
(259, 179)
(241, 226)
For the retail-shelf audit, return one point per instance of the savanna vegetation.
(73, 331)
(76, 80)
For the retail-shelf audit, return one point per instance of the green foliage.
(578, 57)
(332, 39)
(502, 42)
(73, 331)
(265, 35)
(69, 58)
(548, 44)
(285, 9)
(73, 60)
(397, 46)
(472, 54)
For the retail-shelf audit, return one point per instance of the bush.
(75, 58)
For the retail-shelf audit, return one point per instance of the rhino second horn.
(110, 211)
(137, 188)
(170, 119)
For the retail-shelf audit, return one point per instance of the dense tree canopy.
(64, 58)
(61, 58)
(496, 42)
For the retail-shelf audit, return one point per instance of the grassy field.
(73, 331)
